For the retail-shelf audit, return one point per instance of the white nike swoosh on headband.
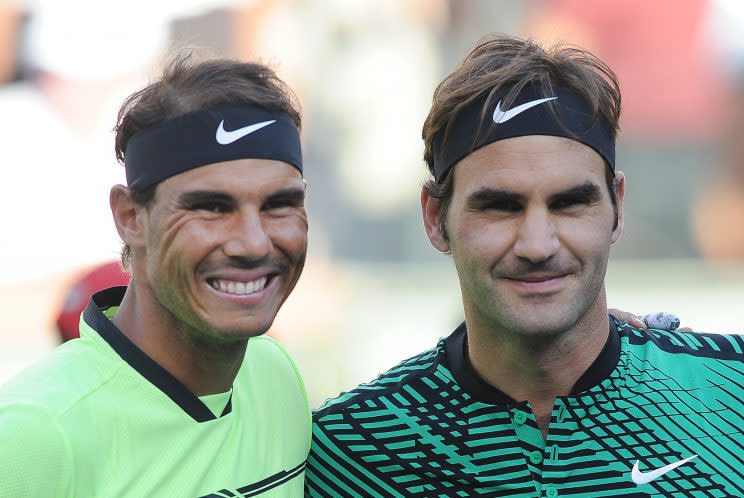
(225, 137)
(500, 116)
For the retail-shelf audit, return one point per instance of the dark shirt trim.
(261, 486)
(457, 361)
(603, 365)
(138, 360)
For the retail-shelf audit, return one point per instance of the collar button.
(520, 417)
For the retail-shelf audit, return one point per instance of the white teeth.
(239, 288)
(259, 284)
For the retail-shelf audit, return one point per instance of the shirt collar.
(456, 354)
(94, 317)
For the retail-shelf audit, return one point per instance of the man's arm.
(35, 459)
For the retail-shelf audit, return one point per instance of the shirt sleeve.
(35, 459)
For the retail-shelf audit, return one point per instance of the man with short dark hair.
(172, 389)
(540, 392)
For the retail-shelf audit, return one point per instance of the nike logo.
(500, 116)
(225, 137)
(646, 477)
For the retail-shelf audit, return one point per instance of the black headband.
(210, 136)
(560, 113)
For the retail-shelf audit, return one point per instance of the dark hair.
(503, 65)
(188, 85)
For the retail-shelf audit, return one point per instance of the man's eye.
(281, 204)
(566, 203)
(506, 206)
(211, 207)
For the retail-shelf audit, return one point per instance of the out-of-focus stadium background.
(374, 291)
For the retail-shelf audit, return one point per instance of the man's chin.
(538, 331)
(236, 330)
(226, 340)
(239, 333)
(543, 324)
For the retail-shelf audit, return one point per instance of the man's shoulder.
(686, 346)
(55, 384)
(36, 458)
(267, 349)
(403, 378)
(270, 378)
(264, 356)
(386, 434)
(710, 365)
(41, 410)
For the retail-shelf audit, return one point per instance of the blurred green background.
(374, 291)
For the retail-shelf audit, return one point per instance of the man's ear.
(431, 209)
(620, 196)
(128, 216)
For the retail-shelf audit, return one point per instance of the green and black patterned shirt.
(658, 413)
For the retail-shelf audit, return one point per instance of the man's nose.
(247, 237)
(537, 240)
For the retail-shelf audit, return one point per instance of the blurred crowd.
(364, 72)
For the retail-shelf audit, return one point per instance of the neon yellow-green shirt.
(100, 418)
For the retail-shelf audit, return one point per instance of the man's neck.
(538, 369)
(203, 368)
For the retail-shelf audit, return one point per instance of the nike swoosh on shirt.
(646, 477)
(500, 116)
(225, 137)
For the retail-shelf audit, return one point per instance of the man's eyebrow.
(198, 196)
(587, 192)
(295, 194)
(492, 195)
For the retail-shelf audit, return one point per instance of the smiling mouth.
(537, 278)
(236, 287)
(538, 284)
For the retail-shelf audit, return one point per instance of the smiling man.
(540, 392)
(172, 390)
